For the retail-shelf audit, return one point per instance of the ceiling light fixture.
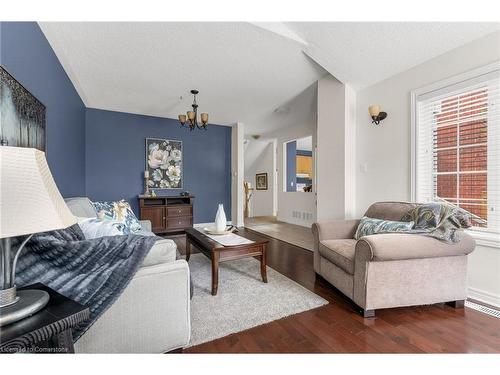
(192, 116)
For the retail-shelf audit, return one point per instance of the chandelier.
(192, 116)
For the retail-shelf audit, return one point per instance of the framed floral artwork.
(164, 163)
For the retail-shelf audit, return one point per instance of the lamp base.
(29, 302)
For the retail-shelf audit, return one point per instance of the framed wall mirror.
(299, 165)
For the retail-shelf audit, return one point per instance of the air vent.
(483, 309)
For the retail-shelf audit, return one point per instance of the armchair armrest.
(334, 229)
(400, 246)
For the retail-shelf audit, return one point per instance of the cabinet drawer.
(179, 222)
(179, 211)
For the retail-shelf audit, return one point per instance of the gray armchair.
(390, 270)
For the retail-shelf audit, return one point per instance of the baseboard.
(483, 296)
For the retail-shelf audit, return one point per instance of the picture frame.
(22, 115)
(164, 161)
(261, 181)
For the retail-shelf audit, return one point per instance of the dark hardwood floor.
(338, 328)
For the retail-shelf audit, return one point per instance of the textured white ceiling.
(363, 53)
(257, 74)
(243, 72)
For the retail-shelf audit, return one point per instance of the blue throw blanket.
(91, 272)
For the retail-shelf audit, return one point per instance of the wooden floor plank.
(338, 328)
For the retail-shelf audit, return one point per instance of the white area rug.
(243, 301)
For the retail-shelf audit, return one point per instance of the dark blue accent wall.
(27, 55)
(291, 166)
(101, 154)
(115, 160)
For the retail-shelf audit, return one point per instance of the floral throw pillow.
(369, 226)
(118, 211)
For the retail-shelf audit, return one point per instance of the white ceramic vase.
(220, 219)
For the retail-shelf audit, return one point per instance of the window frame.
(483, 236)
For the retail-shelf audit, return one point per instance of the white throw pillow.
(95, 228)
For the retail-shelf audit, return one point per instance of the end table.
(47, 331)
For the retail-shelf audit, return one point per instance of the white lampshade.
(29, 199)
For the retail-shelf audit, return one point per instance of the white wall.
(385, 149)
(331, 149)
(288, 202)
(260, 157)
(484, 275)
(336, 130)
(383, 152)
(237, 173)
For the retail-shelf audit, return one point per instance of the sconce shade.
(29, 199)
(374, 110)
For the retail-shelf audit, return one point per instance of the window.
(456, 145)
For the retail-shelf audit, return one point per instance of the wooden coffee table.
(218, 253)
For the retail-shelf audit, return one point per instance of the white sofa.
(152, 315)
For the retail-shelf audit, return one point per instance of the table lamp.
(29, 203)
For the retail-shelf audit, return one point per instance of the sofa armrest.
(146, 225)
(400, 246)
(334, 229)
(152, 315)
(163, 251)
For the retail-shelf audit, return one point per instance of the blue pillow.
(118, 211)
(369, 226)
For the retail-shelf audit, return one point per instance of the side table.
(47, 331)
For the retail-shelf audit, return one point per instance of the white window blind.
(457, 147)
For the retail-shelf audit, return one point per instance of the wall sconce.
(375, 114)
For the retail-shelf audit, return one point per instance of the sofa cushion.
(389, 210)
(81, 207)
(340, 253)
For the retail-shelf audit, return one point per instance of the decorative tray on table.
(213, 231)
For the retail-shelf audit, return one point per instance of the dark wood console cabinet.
(167, 214)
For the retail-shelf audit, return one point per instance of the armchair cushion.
(339, 252)
(399, 246)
